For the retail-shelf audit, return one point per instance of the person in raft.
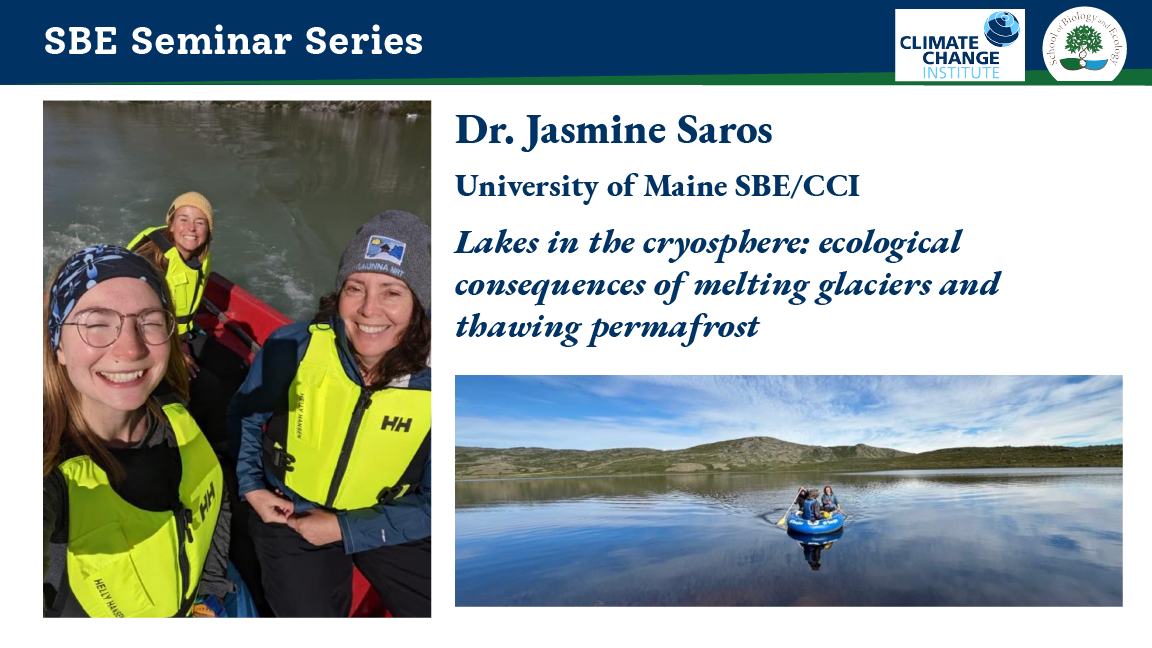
(135, 520)
(811, 506)
(333, 430)
(829, 504)
(801, 497)
(181, 249)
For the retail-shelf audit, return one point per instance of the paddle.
(781, 522)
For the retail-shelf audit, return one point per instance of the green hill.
(740, 455)
(764, 454)
(999, 457)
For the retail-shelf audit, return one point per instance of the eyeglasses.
(100, 327)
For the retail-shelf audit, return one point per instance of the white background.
(1071, 239)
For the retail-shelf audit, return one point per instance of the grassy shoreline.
(479, 464)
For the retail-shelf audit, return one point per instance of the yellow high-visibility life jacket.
(341, 445)
(125, 561)
(186, 279)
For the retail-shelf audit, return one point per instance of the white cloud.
(912, 413)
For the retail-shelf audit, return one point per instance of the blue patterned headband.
(88, 267)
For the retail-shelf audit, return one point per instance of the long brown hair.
(155, 255)
(65, 430)
(408, 356)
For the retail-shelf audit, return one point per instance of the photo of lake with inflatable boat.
(668, 490)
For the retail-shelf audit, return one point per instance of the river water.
(1030, 537)
(289, 188)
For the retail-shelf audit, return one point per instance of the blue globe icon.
(1001, 29)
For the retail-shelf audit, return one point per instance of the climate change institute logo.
(1002, 29)
(1085, 44)
(960, 45)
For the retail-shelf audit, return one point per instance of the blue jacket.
(266, 390)
(810, 508)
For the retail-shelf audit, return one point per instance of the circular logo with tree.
(1086, 40)
(1085, 44)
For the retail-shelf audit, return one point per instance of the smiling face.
(189, 230)
(120, 377)
(827, 490)
(376, 309)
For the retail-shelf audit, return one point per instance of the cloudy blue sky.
(911, 413)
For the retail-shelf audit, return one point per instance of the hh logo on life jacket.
(397, 424)
(206, 504)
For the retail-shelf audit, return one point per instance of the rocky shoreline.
(368, 108)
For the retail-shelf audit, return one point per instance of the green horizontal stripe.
(1032, 77)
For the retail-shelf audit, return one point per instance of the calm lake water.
(977, 537)
(289, 188)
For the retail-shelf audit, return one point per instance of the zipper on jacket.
(191, 317)
(199, 283)
(183, 531)
(349, 442)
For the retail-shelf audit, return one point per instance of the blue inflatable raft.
(797, 524)
(817, 539)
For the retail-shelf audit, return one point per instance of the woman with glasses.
(334, 428)
(134, 517)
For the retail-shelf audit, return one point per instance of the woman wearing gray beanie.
(334, 424)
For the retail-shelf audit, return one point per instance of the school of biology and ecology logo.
(1002, 29)
(1085, 44)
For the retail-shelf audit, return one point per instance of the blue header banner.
(134, 42)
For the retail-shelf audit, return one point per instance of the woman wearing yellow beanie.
(181, 250)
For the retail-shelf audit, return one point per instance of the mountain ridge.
(761, 454)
